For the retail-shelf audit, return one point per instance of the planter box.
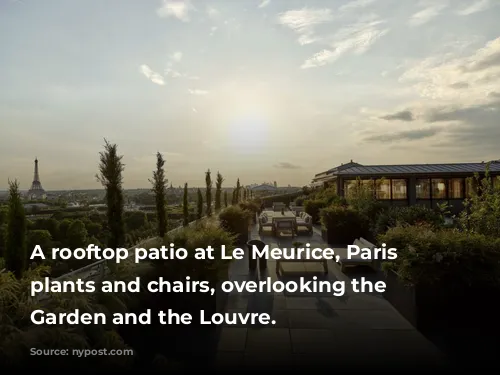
(435, 309)
(337, 238)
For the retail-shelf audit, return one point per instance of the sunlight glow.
(248, 134)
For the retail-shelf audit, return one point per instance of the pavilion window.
(383, 189)
(456, 188)
(423, 188)
(350, 187)
(399, 189)
(438, 188)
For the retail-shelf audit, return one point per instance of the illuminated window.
(350, 187)
(456, 188)
(438, 188)
(423, 188)
(399, 189)
(383, 190)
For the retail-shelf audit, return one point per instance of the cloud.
(152, 75)
(356, 4)
(304, 21)
(171, 73)
(406, 135)
(494, 94)
(285, 165)
(176, 56)
(433, 8)
(356, 38)
(438, 77)
(401, 115)
(212, 12)
(176, 8)
(213, 29)
(197, 92)
(194, 110)
(264, 3)
(478, 6)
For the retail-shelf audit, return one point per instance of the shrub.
(203, 234)
(482, 208)
(299, 201)
(452, 258)
(343, 224)
(235, 220)
(313, 208)
(250, 206)
(404, 216)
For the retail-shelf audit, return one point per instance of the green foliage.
(238, 192)
(235, 220)
(404, 216)
(17, 333)
(199, 205)
(299, 201)
(204, 233)
(208, 193)
(344, 224)
(482, 208)
(313, 208)
(250, 206)
(15, 243)
(39, 237)
(450, 257)
(185, 206)
(159, 183)
(218, 192)
(77, 235)
(225, 198)
(110, 176)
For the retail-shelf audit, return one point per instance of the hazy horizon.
(261, 90)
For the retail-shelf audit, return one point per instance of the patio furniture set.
(280, 221)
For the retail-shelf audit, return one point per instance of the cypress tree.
(238, 191)
(159, 183)
(225, 198)
(110, 176)
(15, 242)
(185, 206)
(199, 213)
(208, 183)
(218, 191)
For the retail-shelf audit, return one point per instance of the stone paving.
(354, 329)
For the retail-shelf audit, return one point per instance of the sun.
(248, 133)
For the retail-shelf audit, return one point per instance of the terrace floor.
(355, 330)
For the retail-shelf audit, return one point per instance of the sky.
(261, 90)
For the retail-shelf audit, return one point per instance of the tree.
(110, 176)
(208, 183)
(225, 198)
(244, 194)
(185, 206)
(41, 237)
(218, 191)
(238, 189)
(199, 213)
(159, 183)
(15, 244)
(77, 235)
(233, 199)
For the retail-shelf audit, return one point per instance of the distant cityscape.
(38, 198)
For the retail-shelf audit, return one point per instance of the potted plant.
(235, 220)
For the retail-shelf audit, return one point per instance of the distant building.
(263, 187)
(410, 184)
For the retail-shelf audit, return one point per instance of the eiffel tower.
(36, 191)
